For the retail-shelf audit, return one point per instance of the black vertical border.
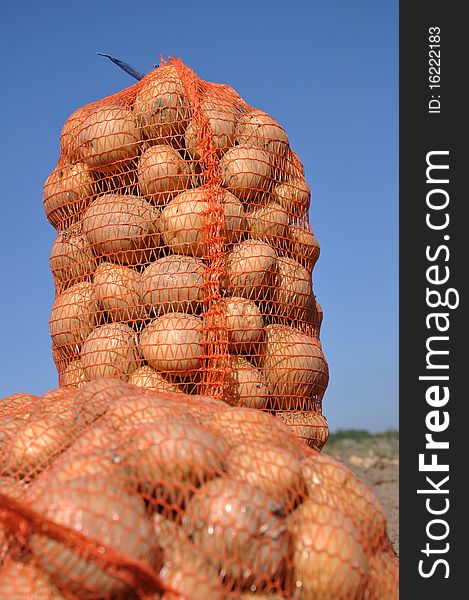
(420, 133)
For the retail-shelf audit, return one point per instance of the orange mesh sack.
(113, 491)
(184, 255)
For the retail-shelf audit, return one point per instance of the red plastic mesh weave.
(184, 254)
(114, 491)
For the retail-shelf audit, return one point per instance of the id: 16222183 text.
(434, 73)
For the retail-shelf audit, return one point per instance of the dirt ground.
(376, 461)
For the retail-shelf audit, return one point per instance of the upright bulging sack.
(184, 254)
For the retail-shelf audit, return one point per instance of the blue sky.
(327, 71)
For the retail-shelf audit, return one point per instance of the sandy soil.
(376, 461)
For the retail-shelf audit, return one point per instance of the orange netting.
(114, 491)
(184, 254)
(184, 302)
